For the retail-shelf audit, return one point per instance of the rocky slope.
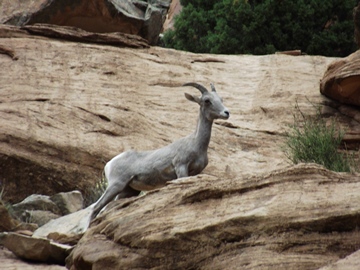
(68, 107)
(279, 221)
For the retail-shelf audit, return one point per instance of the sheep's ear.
(192, 98)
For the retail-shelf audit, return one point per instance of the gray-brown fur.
(131, 172)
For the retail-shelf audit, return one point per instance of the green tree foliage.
(323, 27)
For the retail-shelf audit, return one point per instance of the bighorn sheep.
(131, 172)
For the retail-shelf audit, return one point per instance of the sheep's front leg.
(181, 171)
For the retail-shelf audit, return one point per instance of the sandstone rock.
(39, 217)
(174, 10)
(40, 209)
(292, 52)
(7, 223)
(81, 101)
(68, 239)
(71, 224)
(296, 218)
(68, 202)
(141, 18)
(76, 34)
(27, 227)
(24, 232)
(341, 80)
(66, 108)
(35, 249)
(36, 202)
(10, 261)
(350, 262)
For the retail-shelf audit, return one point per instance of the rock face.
(279, 221)
(174, 10)
(68, 107)
(341, 80)
(143, 18)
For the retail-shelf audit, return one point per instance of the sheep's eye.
(207, 101)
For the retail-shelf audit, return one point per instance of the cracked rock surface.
(295, 218)
(68, 107)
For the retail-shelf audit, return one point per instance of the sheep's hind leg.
(110, 193)
(127, 193)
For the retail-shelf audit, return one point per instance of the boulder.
(7, 222)
(35, 249)
(40, 209)
(36, 202)
(10, 261)
(143, 18)
(341, 80)
(71, 224)
(39, 217)
(294, 218)
(68, 202)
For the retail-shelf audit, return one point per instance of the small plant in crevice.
(312, 140)
(93, 193)
(7, 205)
(2, 193)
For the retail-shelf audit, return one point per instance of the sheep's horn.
(212, 87)
(201, 88)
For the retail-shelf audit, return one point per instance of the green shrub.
(311, 140)
(263, 27)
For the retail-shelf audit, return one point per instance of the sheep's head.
(210, 102)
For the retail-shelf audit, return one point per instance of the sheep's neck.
(203, 132)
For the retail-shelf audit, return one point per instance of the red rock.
(341, 81)
(140, 18)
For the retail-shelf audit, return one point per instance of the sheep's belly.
(152, 180)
